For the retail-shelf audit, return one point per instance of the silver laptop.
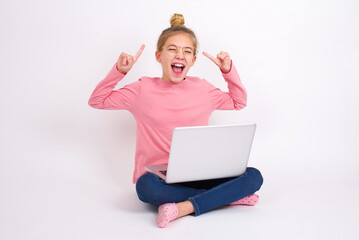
(206, 152)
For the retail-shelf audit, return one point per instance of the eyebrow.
(174, 45)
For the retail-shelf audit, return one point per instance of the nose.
(180, 54)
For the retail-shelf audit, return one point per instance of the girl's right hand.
(125, 61)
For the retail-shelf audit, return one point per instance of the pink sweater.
(159, 106)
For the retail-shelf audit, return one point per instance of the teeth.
(179, 65)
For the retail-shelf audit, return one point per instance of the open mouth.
(177, 68)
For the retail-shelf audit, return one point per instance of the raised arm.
(104, 97)
(236, 97)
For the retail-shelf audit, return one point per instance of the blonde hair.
(177, 26)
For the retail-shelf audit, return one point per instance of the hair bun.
(177, 20)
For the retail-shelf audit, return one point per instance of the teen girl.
(176, 100)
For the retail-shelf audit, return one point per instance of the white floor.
(32, 208)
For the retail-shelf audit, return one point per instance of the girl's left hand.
(223, 61)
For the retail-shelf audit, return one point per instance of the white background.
(66, 169)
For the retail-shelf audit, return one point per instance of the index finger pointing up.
(215, 60)
(139, 51)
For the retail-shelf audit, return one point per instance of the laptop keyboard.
(164, 172)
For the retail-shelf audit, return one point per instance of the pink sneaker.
(166, 213)
(250, 200)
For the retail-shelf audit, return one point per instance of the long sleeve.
(105, 97)
(159, 106)
(235, 98)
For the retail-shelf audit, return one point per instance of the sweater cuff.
(115, 71)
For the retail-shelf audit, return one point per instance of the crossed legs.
(200, 196)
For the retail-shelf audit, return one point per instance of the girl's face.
(176, 57)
